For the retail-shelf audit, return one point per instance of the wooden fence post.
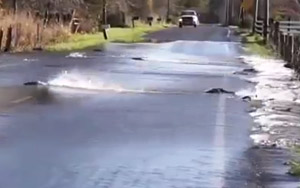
(1, 38)
(8, 39)
(281, 44)
(276, 34)
(132, 22)
(105, 34)
(289, 48)
(271, 34)
(265, 31)
(150, 20)
(285, 41)
(294, 51)
(297, 48)
(255, 11)
(289, 25)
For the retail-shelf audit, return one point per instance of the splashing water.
(78, 80)
(76, 55)
(250, 92)
(88, 81)
(277, 119)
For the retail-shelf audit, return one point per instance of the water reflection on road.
(135, 115)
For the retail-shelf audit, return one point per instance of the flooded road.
(134, 115)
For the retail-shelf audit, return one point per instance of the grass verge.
(295, 163)
(254, 44)
(123, 35)
(295, 168)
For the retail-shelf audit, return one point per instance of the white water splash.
(78, 80)
(30, 60)
(260, 138)
(279, 94)
(89, 82)
(76, 55)
(250, 92)
(274, 81)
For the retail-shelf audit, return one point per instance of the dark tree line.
(95, 6)
(94, 9)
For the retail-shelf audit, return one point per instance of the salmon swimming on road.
(36, 83)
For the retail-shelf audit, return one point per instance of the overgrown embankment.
(254, 44)
(21, 32)
(123, 35)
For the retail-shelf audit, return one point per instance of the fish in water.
(219, 91)
(247, 98)
(35, 83)
(246, 71)
(138, 59)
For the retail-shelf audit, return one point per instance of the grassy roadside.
(295, 168)
(254, 44)
(295, 163)
(124, 35)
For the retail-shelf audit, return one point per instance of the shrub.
(24, 35)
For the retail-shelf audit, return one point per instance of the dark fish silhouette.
(219, 91)
(247, 98)
(138, 59)
(35, 83)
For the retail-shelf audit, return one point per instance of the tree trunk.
(8, 39)
(15, 6)
(104, 15)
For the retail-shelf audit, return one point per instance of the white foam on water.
(30, 60)
(260, 138)
(83, 82)
(87, 81)
(275, 85)
(77, 80)
(273, 79)
(246, 92)
(77, 55)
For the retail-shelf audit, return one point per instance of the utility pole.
(268, 11)
(266, 20)
(15, 6)
(230, 12)
(104, 11)
(168, 11)
(226, 12)
(242, 14)
(255, 12)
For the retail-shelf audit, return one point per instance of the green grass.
(123, 35)
(295, 168)
(254, 44)
(295, 163)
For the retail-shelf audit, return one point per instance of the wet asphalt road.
(203, 33)
(109, 121)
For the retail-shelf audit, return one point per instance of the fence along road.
(284, 37)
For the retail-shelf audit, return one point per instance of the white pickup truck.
(188, 18)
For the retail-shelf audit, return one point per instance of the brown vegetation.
(29, 33)
(281, 9)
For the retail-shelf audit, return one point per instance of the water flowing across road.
(134, 115)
